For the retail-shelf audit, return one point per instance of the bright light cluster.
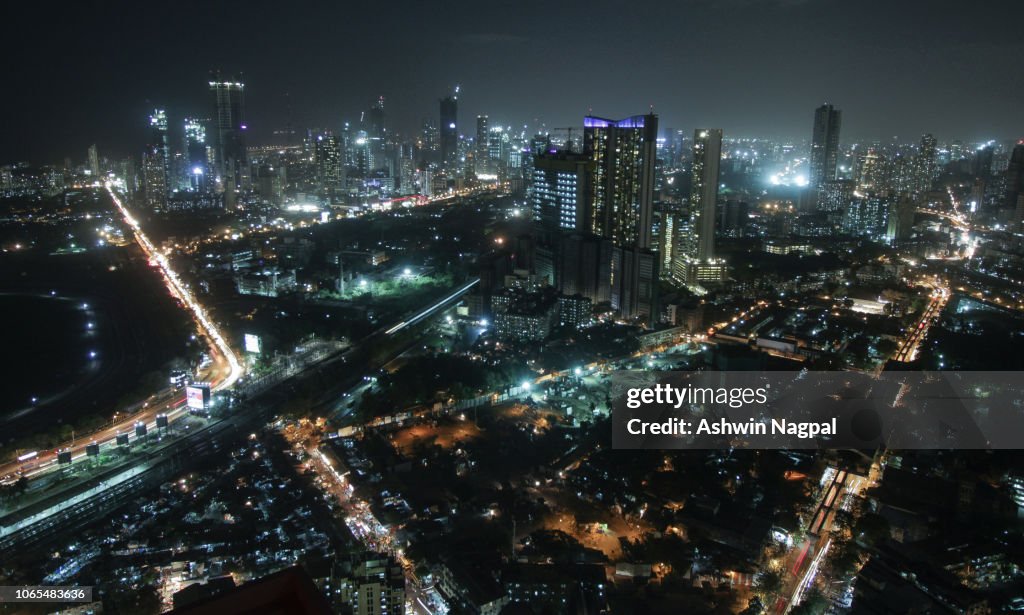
(179, 290)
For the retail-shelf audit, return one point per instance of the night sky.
(90, 72)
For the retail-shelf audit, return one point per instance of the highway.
(907, 350)
(180, 290)
(224, 372)
(151, 462)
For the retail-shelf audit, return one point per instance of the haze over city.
(899, 69)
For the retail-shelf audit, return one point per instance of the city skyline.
(895, 71)
(705, 306)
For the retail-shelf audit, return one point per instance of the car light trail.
(178, 289)
(808, 579)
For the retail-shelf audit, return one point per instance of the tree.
(768, 582)
(814, 603)
(871, 528)
(754, 607)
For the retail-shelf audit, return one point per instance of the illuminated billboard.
(252, 343)
(197, 397)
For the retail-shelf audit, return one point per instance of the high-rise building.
(695, 261)
(620, 207)
(481, 151)
(824, 147)
(159, 137)
(584, 266)
(376, 120)
(622, 194)
(376, 586)
(868, 216)
(196, 154)
(900, 220)
(669, 223)
(561, 185)
(498, 145)
(430, 138)
(635, 283)
(328, 159)
(94, 160)
(1015, 176)
(982, 164)
(925, 167)
(872, 175)
(449, 137)
(374, 123)
(270, 181)
(707, 155)
(362, 154)
(229, 122)
(155, 162)
(836, 195)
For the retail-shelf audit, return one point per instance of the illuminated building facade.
(229, 108)
(329, 168)
(561, 183)
(824, 147)
(449, 131)
(694, 259)
(621, 205)
(622, 193)
(155, 162)
(196, 154)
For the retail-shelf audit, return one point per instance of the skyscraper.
(374, 124)
(824, 148)
(635, 278)
(196, 154)
(376, 586)
(584, 266)
(155, 161)
(668, 224)
(695, 260)
(707, 155)
(481, 153)
(449, 131)
(924, 164)
(561, 184)
(362, 154)
(871, 176)
(620, 207)
(94, 160)
(622, 194)
(328, 157)
(1015, 176)
(229, 122)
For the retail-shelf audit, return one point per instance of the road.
(181, 291)
(907, 350)
(224, 372)
(365, 527)
(171, 403)
(804, 559)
